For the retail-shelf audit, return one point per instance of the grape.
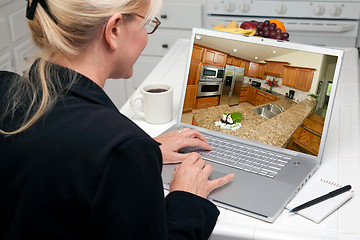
(261, 33)
(266, 23)
(278, 37)
(265, 28)
(266, 34)
(278, 31)
(272, 34)
(273, 25)
(260, 25)
(285, 36)
(271, 28)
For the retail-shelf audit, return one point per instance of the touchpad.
(216, 174)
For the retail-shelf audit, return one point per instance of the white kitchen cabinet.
(23, 54)
(16, 44)
(3, 2)
(18, 25)
(162, 40)
(177, 20)
(5, 39)
(178, 17)
(6, 62)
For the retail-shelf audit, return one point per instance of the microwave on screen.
(211, 72)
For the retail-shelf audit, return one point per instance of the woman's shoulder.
(94, 124)
(6, 74)
(6, 77)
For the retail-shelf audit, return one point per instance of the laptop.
(269, 146)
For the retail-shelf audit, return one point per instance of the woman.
(72, 166)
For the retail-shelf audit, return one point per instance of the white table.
(341, 158)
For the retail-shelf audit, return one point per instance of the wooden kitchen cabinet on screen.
(190, 97)
(238, 62)
(298, 77)
(214, 58)
(207, 102)
(197, 53)
(251, 96)
(192, 85)
(256, 70)
(275, 68)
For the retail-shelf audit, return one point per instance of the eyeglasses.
(150, 25)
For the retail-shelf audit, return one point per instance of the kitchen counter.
(275, 131)
(340, 162)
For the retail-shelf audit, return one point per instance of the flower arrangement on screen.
(272, 83)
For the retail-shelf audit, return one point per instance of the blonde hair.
(69, 29)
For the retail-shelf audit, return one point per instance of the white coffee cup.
(157, 102)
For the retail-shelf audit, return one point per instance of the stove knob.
(281, 9)
(244, 7)
(229, 7)
(335, 11)
(319, 10)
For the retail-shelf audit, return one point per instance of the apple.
(248, 25)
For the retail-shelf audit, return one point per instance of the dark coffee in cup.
(156, 90)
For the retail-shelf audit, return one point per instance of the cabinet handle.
(165, 45)
(163, 16)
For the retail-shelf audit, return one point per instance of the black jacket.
(85, 171)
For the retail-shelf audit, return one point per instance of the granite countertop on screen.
(275, 131)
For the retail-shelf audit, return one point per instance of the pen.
(322, 198)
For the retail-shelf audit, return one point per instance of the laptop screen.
(267, 91)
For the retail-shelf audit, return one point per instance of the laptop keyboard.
(246, 158)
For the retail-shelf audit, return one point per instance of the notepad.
(314, 189)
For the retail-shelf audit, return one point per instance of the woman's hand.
(193, 176)
(172, 141)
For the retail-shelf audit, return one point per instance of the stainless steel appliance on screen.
(211, 73)
(209, 88)
(234, 77)
(210, 82)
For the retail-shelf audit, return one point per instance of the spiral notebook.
(314, 189)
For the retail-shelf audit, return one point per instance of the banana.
(250, 32)
(219, 26)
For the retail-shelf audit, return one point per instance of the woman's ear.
(112, 30)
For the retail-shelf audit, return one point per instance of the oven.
(212, 73)
(209, 88)
(329, 22)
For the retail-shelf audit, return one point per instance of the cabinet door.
(263, 98)
(209, 57)
(161, 42)
(194, 72)
(251, 96)
(221, 59)
(289, 77)
(236, 62)
(245, 64)
(243, 94)
(275, 68)
(304, 79)
(212, 57)
(260, 73)
(172, 15)
(197, 53)
(253, 69)
(207, 102)
(142, 68)
(190, 97)
(229, 60)
(6, 62)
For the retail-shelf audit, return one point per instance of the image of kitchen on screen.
(267, 94)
